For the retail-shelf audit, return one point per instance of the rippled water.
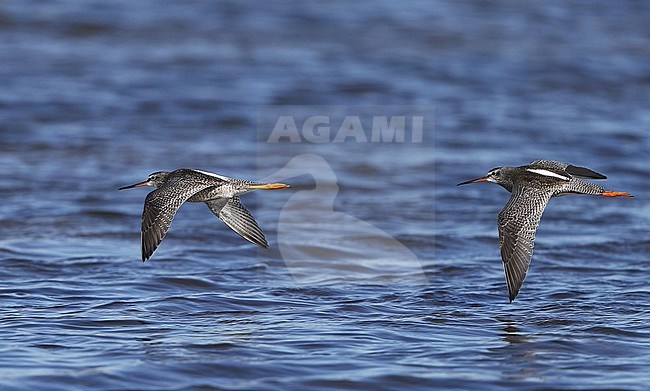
(382, 274)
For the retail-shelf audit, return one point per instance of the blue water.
(382, 274)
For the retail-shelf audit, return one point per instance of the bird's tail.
(578, 186)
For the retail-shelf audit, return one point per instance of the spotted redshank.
(532, 186)
(220, 194)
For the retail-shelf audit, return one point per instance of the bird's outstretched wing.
(518, 221)
(570, 169)
(232, 212)
(160, 206)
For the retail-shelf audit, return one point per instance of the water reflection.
(512, 334)
(518, 354)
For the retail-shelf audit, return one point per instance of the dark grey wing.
(517, 223)
(232, 212)
(570, 169)
(550, 164)
(160, 206)
(584, 172)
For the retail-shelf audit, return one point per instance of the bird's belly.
(212, 193)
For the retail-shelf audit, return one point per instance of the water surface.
(97, 95)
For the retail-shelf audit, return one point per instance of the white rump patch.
(225, 178)
(541, 171)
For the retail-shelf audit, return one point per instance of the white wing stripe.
(225, 178)
(541, 171)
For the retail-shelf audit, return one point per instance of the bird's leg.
(269, 186)
(611, 193)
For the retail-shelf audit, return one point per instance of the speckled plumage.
(532, 186)
(220, 193)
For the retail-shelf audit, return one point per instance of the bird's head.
(498, 175)
(155, 179)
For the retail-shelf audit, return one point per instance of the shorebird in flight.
(220, 194)
(532, 186)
